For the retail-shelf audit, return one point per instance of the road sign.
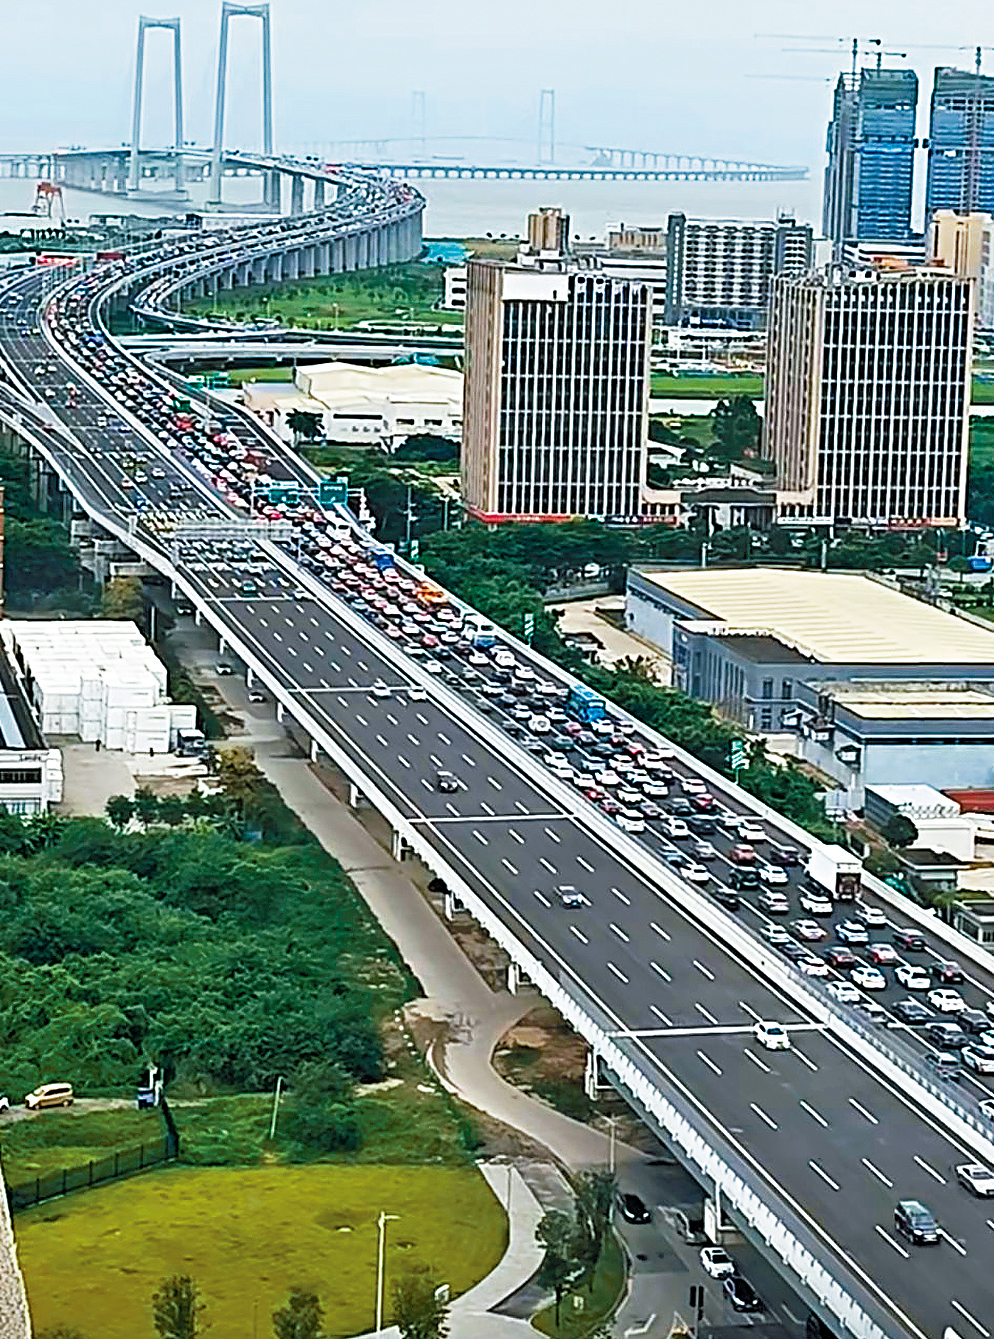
(332, 491)
(281, 493)
(415, 550)
(737, 755)
(529, 627)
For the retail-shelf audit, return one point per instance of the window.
(767, 688)
(787, 689)
(20, 776)
(766, 719)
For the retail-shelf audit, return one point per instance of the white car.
(655, 762)
(380, 689)
(815, 904)
(602, 728)
(433, 666)
(774, 934)
(978, 1058)
(868, 978)
(716, 1262)
(912, 977)
(812, 966)
(584, 780)
(872, 916)
(771, 1036)
(843, 992)
(630, 820)
(695, 873)
(705, 850)
(607, 777)
(692, 785)
(772, 874)
(947, 1001)
(675, 827)
(416, 693)
(478, 658)
(562, 770)
(553, 759)
(752, 832)
(539, 725)
(656, 790)
(627, 795)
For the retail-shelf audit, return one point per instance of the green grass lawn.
(52, 1140)
(93, 1261)
(609, 1281)
(238, 375)
(706, 387)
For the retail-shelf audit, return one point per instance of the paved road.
(825, 1135)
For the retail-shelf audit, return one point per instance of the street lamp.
(381, 1224)
(612, 1123)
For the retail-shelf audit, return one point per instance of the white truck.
(836, 871)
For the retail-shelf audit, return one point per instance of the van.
(49, 1095)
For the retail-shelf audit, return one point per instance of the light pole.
(381, 1224)
(276, 1107)
(612, 1123)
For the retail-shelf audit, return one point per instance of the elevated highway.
(809, 1148)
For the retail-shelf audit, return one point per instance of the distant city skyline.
(661, 81)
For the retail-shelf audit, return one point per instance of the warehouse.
(30, 772)
(96, 679)
(746, 639)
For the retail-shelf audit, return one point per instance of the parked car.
(632, 1209)
(49, 1095)
(716, 1262)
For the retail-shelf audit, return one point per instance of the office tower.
(964, 244)
(868, 396)
(555, 398)
(871, 146)
(718, 271)
(961, 143)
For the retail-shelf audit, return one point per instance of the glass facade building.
(961, 143)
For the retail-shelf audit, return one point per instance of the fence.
(112, 1168)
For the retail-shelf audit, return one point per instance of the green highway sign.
(529, 627)
(325, 494)
(415, 550)
(291, 496)
(737, 755)
(332, 491)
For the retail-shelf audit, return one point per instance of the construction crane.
(47, 196)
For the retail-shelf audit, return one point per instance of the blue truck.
(585, 705)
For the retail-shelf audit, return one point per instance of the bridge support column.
(319, 194)
(222, 645)
(280, 712)
(591, 1074)
(306, 268)
(355, 796)
(399, 848)
(515, 978)
(314, 750)
(451, 905)
(337, 249)
(296, 194)
(259, 270)
(323, 258)
(291, 265)
(197, 616)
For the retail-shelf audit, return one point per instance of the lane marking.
(517, 836)
(618, 931)
(541, 897)
(545, 865)
(480, 837)
(747, 1008)
(555, 836)
(756, 1060)
(708, 1061)
(801, 1056)
(445, 741)
(972, 1319)
(660, 971)
(579, 934)
(863, 1111)
(436, 761)
(584, 864)
(877, 1172)
(659, 931)
(957, 1246)
(362, 720)
(422, 719)
(381, 740)
(617, 972)
(467, 759)
(823, 1174)
(504, 861)
(705, 971)
(890, 1241)
(402, 760)
(496, 784)
(491, 813)
(931, 1170)
(706, 1013)
(523, 807)
(763, 1116)
(621, 897)
(659, 1014)
(413, 738)
(815, 1115)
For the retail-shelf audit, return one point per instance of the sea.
(473, 208)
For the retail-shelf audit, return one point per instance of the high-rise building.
(718, 271)
(555, 401)
(964, 244)
(961, 143)
(871, 147)
(868, 396)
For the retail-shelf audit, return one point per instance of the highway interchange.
(816, 1125)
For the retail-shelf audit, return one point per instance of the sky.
(709, 78)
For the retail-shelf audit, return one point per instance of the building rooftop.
(833, 617)
(910, 701)
(766, 650)
(917, 801)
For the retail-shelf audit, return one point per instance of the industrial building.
(557, 381)
(961, 142)
(718, 271)
(97, 679)
(30, 771)
(871, 148)
(868, 396)
(758, 642)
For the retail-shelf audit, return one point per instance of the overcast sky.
(664, 75)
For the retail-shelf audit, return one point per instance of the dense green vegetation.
(396, 293)
(39, 563)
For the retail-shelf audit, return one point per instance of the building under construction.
(961, 142)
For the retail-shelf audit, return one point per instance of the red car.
(744, 854)
(703, 802)
(610, 806)
(882, 955)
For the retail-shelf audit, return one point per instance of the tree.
(594, 1199)
(560, 1266)
(301, 1317)
(120, 810)
(736, 428)
(122, 598)
(177, 1309)
(240, 779)
(305, 423)
(899, 831)
(417, 1312)
(323, 1117)
(145, 806)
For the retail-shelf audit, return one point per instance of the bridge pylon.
(134, 173)
(230, 10)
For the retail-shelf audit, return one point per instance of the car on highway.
(945, 1036)
(257, 695)
(416, 693)
(851, 932)
(882, 955)
(912, 977)
(947, 973)
(772, 875)
(446, 782)
(630, 820)
(773, 902)
(222, 669)
(751, 831)
(702, 849)
(976, 1178)
(916, 1223)
(740, 1294)
(910, 940)
(692, 785)
(843, 992)
(812, 966)
(875, 1012)
(868, 978)
(944, 1065)
(380, 689)
(871, 916)
(947, 1001)
(978, 1058)
(569, 896)
(913, 1012)
(771, 1036)
(742, 853)
(632, 1208)
(973, 1021)
(810, 931)
(728, 898)
(716, 1262)
(837, 956)
(815, 904)
(775, 934)
(696, 873)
